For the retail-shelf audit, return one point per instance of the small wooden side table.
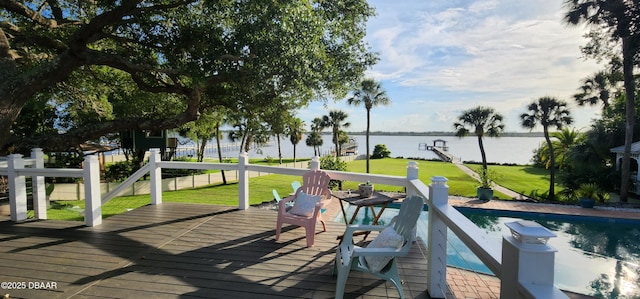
(354, 198)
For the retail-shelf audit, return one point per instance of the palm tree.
(315, 139)
(335, 120)
(547, 112)
(221, 113)
(295, 129)
(370, 95)
(564, 141)
(483, 121)
(278, 122)
(617, 19)
(600, 88)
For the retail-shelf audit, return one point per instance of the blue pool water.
(596, 256)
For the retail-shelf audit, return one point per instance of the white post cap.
(529, 232)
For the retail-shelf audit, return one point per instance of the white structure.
(635, 159)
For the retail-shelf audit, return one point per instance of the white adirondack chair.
(370, 260)
(295, 185)
(277, 197)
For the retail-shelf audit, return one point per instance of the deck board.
(185, 251)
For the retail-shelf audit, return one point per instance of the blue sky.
(441, 57)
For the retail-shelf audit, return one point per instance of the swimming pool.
(596, 256)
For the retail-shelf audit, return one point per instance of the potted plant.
(587, 194)
(485, 190)
(366, 189)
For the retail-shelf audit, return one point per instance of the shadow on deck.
(184, 251)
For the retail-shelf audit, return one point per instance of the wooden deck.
(206, 251)
(183, 251)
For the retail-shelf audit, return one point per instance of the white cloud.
(440, 57)
(482, 6)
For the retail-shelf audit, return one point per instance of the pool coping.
(518, 208)
(547, 210)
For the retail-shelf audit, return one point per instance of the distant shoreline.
(431, 133)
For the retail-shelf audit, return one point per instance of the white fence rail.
(75, 191)
(524, 263)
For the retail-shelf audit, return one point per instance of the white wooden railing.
(525, 267)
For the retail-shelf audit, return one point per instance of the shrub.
(333, 163)
(487, 177)
(119, 171)
(587, 190)
(63, 161)
(176, 173)
(380, 151)
(593, 191)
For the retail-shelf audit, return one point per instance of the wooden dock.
(350, 148)
(440, 148)
(445, 155)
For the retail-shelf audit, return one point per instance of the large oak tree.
(305, 49)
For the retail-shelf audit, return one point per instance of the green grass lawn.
(523, 179)
(260, 191)
(459, 183)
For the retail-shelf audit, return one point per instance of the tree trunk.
(629, 88)
(552, 164)
(279, 148)
(201, 150)
(246, 143)
(484, 156)
(367, 137)
(139, 157)
(294, 154)
(224, 179)
(336, 138)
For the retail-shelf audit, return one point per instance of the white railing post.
(92, 202)
(155, 177)
(437, 239)
(17, 188)
(412, 174)
(243, 181)
(39, 190)
(315, 163)
(528, 261)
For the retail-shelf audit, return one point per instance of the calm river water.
(517, 150)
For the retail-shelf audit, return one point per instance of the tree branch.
(55, 9)
(137, 72)
(5, 47)
(94, 131)
(18, 8)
